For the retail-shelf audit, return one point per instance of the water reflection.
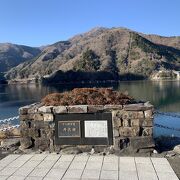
(165, 95)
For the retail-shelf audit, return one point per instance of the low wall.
(132, 125)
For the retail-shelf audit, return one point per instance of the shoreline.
(27, 82)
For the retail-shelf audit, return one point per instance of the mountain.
(12, 55)
(102, 54)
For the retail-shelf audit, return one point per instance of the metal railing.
(9, 119)
(166, 127)
(9, 126)
(168, 114)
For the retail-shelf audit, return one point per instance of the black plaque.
(69, 129)
(79, 136)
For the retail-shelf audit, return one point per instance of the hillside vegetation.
(12, 55)
(102, 54)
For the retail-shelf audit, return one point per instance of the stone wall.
(132, 125)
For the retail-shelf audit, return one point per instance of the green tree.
(89, 61)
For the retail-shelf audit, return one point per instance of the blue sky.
(41, 22)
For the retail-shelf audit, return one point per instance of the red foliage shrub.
(89, 96)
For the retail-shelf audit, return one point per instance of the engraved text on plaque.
(96, 129)
(69, 129)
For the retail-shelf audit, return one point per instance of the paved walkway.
(69, 167)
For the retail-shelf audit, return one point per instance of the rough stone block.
(132, 115)
(42, 143)
(177, 149)
(147, 131)
(32, 132)
(3, 134)
(42, 133)
(8, 143)
(77, 109)
(117, 122)
(38, 117)
(112, 107)
(34, 108)
(148, 105)
(137, 107)
(45, 109)
(148, 114)
(52, 125)
(51, 146)
(146, 150)
(23, 124)
(24, 117)
(15, 132)
(135, 122)
(59, 109)
(30, 124)
(24, 132)
(48, 117)
(129, 131)
(115, 132)
(141, 142)
(95, 108)
(117, 113)
(147, 122)
(40, 124)
(126, 122)
(121, 143)
(25, 143)
(50, 134)
(23, 110)
(29, 108)
(133, 107)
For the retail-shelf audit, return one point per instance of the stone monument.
(119, 127)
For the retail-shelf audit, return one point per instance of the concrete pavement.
(75, 167)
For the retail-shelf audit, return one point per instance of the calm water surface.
(164, 95)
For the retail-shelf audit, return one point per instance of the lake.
(164, 95)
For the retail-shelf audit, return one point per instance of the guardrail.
(9, 119)
(167, 114)
(9, 128)
(166, 127)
